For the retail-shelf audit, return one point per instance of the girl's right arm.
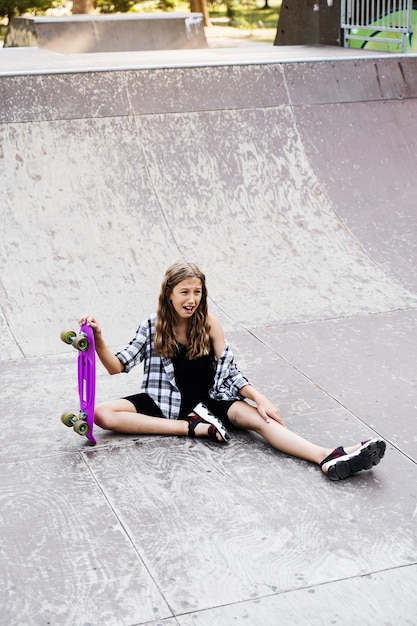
(106, 356)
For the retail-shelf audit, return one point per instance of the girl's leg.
(121, 416)
(243, 415)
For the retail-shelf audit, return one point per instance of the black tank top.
(194, 378)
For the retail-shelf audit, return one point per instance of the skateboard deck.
(83, 421)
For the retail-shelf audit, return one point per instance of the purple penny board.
(87, 381)
(83, 422)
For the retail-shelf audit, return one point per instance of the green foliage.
(124, 6)
(166, 5)
(10, 8)
(114, 6)
(249, 14)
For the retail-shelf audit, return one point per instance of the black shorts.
(145, 405)
(219, 408)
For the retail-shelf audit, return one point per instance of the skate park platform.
(289, 177)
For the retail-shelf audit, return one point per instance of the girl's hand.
(265, 408)
(106, 356)
(90, 321)
(268, 411)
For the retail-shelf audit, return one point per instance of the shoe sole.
(365, 458)
(202, 411)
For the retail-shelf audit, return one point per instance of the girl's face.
(186, 296)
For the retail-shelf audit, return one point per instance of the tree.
(82, 6)
(200, 6)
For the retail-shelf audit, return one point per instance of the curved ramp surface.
(109, 177)
(291, 182)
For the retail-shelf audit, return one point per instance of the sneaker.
(202, 411)
(342, 465)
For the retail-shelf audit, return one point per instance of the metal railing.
(384, 21)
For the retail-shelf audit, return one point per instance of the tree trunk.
(200, 6)
(82, 6)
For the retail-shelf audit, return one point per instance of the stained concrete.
(290, 180)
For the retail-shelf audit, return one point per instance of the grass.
(249, 14)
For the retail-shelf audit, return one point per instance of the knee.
(233, 418)
(245, 416)
(236, 414)
(102, 417)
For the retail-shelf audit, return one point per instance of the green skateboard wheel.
(67, 336)
(68, 418)
(81, 427)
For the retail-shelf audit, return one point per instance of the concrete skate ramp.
(107, 33)
(291, 184)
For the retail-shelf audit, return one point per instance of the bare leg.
(121, 416)
(243, 415)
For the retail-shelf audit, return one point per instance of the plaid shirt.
(159, 376)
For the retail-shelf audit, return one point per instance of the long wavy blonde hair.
(198, 333)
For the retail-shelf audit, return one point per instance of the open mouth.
(188, 309)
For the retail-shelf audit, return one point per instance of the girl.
(191, 385)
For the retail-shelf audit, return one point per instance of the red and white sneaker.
(201, 414)
(202, 411)
(341, 465)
